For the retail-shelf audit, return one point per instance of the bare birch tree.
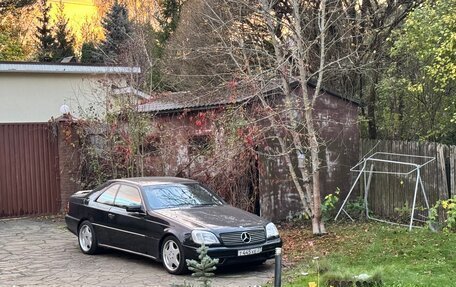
(278, 43)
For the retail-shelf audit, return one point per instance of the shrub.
(449, 210)
(329, 204)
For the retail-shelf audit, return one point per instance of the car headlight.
(206, 237)
(271, 230)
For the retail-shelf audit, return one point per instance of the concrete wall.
(31, 97)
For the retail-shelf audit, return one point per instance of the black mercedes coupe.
(167, 219)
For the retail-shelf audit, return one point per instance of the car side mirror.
(134, 208)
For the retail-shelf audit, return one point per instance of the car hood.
(212, 217)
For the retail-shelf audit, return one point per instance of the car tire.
(87, 238)
(172, 255)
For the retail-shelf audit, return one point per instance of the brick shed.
(276, 198)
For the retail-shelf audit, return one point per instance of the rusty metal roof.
(168, 102)
(177, 101)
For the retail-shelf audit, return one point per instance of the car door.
(156, 224)
(127, 229)
(99, 213)
(155, 229)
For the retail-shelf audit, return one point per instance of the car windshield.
(178, 195)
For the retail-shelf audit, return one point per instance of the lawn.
(402, 258)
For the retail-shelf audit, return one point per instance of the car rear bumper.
(229, 255)
(72, 224)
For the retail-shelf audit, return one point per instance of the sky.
(79, 13)
(76, 10)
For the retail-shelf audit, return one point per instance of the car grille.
(234, 238)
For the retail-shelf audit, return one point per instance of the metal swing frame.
(366, 167)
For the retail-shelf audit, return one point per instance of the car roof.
(154, 180)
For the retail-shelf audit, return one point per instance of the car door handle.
(111, 216)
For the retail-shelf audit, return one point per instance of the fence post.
(278, 267)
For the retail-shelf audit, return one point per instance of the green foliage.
(168, 19)
(203, 268)
(329, 204)
(14, 45)
(449, 209)
(356, 208)
(154, 51)
(348, 279)
(417, 258)
(15, 38)
(118, 29)
(10, 46)
(403, 212)
(45, 39)
(53, 42)
(64, 41)
(417, 92)
(430, 34)
(89, 54)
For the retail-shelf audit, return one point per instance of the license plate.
(245, 252)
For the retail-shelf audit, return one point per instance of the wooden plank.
(452, 170)
(433, 171)
(443, 188)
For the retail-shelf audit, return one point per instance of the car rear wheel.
(87, 238)
(173, 256)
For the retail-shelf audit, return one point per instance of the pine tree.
(203, 269)
(45, 40)
(168, 18)
(89, 54)
(64, 41)
(117, 29)
(10, 46)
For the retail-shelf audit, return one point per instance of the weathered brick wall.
(68, 145)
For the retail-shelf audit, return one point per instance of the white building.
(37, 92)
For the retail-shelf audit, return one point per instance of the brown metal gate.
(29, 170)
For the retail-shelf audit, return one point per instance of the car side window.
(107, 197)
(127, 196)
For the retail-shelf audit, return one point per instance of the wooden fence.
(391, 196)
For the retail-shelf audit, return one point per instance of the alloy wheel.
(85, 238)
(171, 255)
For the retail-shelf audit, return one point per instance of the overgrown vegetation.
(125, 143)
(389, 253)
(448, 208)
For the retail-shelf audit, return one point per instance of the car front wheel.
(87, 238)
(173, 256)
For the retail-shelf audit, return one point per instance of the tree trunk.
(372, 99)
(318, 227)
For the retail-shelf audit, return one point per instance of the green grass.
(419, 258)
